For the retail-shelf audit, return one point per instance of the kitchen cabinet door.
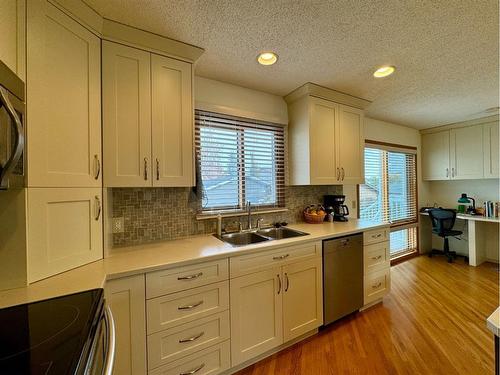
(63, 100)
(12, 35)
(350, 145)
(323, 157)
(256, 314)
(490, 150)
(466, 153)
(126, 298)
(172, 122)
(302, 298)
(126, 87)
(64, 229)
(436, 156)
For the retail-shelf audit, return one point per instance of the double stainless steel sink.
(261, 235)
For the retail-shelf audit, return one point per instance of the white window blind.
(390, 193)
(239, 160)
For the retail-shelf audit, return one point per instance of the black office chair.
(443, 221)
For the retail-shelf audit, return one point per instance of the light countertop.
(133, 260)
(472, 217)
(493, 322)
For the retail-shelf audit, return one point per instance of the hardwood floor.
(432, 322)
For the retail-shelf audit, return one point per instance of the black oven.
(72, 334)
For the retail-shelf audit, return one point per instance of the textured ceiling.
(446, 52)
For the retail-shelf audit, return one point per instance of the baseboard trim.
(269, 353)
(371, 304)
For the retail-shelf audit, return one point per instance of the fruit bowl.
(314, 215)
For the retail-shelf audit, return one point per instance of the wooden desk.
(476, 236)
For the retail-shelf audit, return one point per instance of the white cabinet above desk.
(463, 151)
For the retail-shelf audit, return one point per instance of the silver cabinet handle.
(17, 126)
(190, 307)
(157, 169)
(377, 257)
(97, 207)
(279, 284)
(109, 358)
(194, 371)
(191, 339)
(375, 286)
(453, 172)
(377, 235)
(447, 173)
(287, 282)
(343, 173)
(190, 277)
(146, 169)
(338, 174)
(97, 167)
(281, 257)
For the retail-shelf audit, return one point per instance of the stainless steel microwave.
(12, 132)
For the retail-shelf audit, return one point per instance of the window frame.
(280, 168)
(404, 224)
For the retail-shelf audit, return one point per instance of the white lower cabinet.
(302, 298)
(256, 314)
(210, 361)
(274, 306)
(126, 298)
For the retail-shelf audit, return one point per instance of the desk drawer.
(172, 280)
(182, 307)
(213, 360)
(376, 257)
(377, 285)
(174, 343)
(256, 262)
(376, 235)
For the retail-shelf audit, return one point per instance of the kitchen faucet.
(249, 213)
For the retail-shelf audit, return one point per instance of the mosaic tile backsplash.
(157, 214)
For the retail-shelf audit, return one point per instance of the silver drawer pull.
(97, 167)
(190, 277)
(377, 235)
(377, 257)
(190, 307)
(377, 285)
(194, 371)
(191, 339)
(281, 257)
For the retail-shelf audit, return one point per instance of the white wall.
(239, 101)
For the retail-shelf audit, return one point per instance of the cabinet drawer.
(182, 307)
(376, 285)
(213, 360)
(376, 235)
(250, 263)
(163, 282)
(376, 257)
(174, 343)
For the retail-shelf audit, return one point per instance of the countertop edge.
(493, 322)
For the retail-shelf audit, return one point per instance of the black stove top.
(49, 337)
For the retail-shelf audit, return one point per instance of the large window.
(390, 194)
(239, 161)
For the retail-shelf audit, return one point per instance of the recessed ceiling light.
(384, 71)
(267, 58)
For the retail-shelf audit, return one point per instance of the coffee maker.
(335, 204)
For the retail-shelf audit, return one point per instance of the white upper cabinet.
(326, 142)
(63, 100)
(490, 150)
(148, 118)
(466, 153)
(461, 153)
(436, 156)
(172, 118)
(126, 87)
(12, 35)
(350, 145)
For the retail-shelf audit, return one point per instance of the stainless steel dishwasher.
(342, 276)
